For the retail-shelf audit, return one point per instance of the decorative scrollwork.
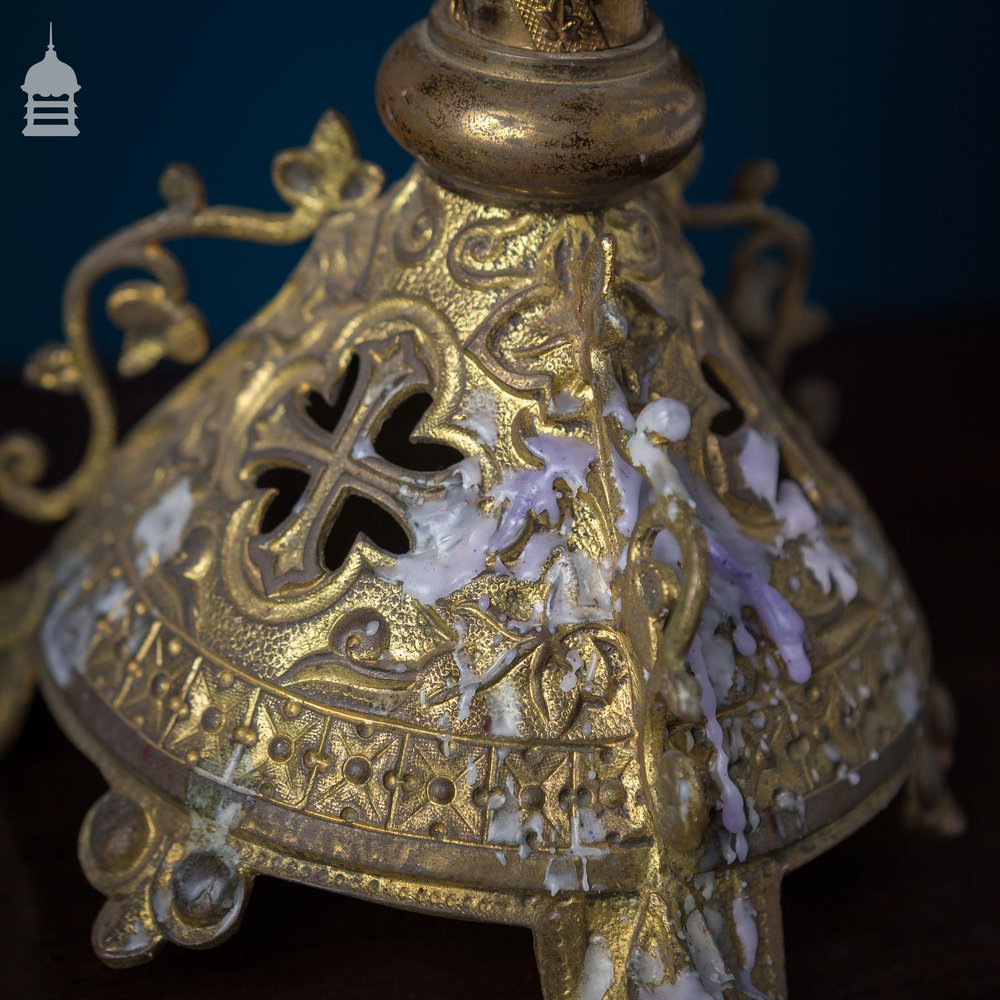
(482, 572)
(487, 253)
(654, 591)
(157, 321)
(766, 297)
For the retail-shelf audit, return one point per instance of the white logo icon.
(51, 87)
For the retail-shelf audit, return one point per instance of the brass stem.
(554, 25)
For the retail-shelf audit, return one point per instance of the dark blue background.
(881, 113)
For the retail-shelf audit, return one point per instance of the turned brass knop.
(492, 108)
(482, 571)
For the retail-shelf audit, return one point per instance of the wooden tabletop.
(885, 915)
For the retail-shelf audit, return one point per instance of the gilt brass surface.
(549, 129)
(601, 643)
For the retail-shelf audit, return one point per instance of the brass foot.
(583, 945)
(711, 937)
(928, 803)
(187, 885)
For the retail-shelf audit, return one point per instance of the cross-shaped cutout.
(334, 462)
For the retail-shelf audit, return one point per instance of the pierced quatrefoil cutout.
(360, 516)
(333, 461)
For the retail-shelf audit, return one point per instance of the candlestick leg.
(583, 944)
(928, 802)
(697, 935)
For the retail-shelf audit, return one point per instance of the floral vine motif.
(653, 590)
(156, 319)
(358, 657)
(660, 607)
(566, 665)
(527, 348)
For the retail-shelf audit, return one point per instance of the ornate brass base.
(152, 857)
(481, 573)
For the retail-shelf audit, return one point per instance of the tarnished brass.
(561, 26)
(537, 128)
(482, 572)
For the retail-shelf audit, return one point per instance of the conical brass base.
(481, 573)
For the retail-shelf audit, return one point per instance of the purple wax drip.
(734, 817)
(781, 620)
(744, 642)
(532, 490)
(455, 537)
(630, 482)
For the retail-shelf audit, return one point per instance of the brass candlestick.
(481, 572)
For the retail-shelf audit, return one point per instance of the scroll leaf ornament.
(155, 317)
(602, 643)
(156, 327)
